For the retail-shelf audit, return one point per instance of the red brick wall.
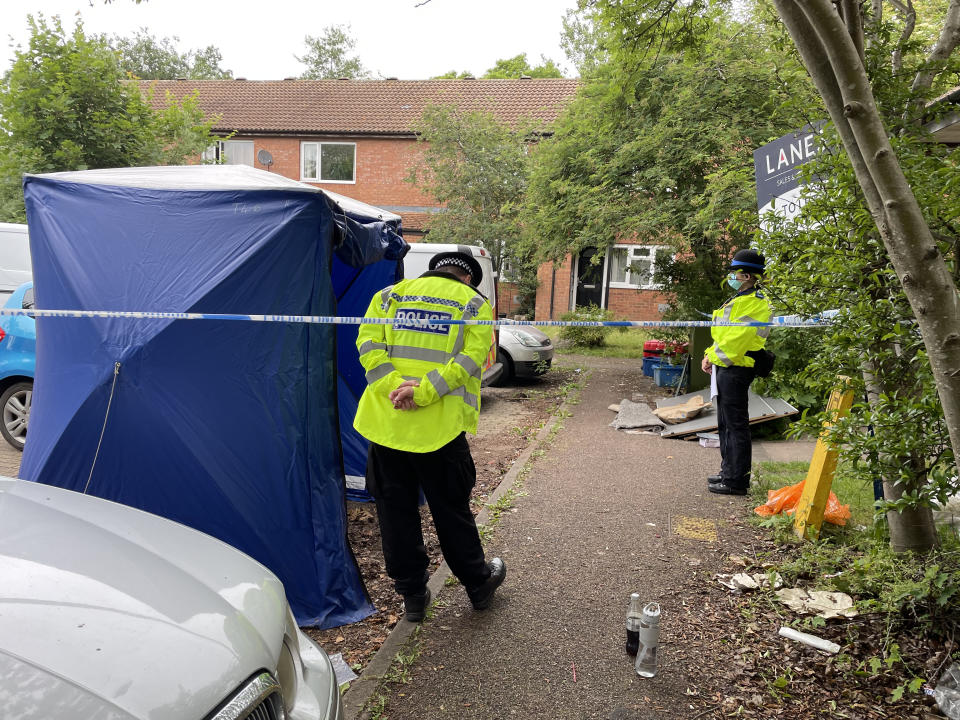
(382, 166)
(508, 299)
(555, 284)
(624, 303)
(630, 304)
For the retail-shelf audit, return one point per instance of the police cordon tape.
(822, 320)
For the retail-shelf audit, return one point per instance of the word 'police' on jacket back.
(422, 321)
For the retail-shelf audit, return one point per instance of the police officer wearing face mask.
(730, 358)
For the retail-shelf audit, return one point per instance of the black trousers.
(733, 417)
(446, 475)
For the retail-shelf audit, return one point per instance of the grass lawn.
(626, 343)
(775, 475)
(849, 491)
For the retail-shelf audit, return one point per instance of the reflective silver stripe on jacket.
(369, 345)
(472, 308)
(385, 297)
(436, 379)
(722, 356)
(468, 397)
(468, 364)
(379, 372)
(439, 384)
(761, 331)
(406, 352)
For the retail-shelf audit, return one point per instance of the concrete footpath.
(603, 514)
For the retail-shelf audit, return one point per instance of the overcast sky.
(258, 40)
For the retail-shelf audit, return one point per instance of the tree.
(453, 75)
(662, 154)
(150, 58)
(65, 104)
(832, 42)
(510, 68)
(518, 66)
(582, 42)
(329, 57)
(477, 168)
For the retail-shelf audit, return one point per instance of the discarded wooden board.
(761, 409)
(816, 488)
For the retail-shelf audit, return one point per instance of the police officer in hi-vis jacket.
(422, 396)
(730, 358)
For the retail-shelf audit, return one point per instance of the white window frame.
(507, 271)
(319, 146)
(631, 282)
(216, 153)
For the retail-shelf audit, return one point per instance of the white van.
(416, 262)
(15, 267)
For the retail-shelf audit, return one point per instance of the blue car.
(18, 358)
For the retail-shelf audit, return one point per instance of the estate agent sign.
(777, 167)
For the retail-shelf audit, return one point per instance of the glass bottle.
(646, 663)
(634, 612)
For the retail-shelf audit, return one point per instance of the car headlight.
(289, 671)
(525, 338)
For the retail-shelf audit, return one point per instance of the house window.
(230, 152)
(631, 266)
(328, 162)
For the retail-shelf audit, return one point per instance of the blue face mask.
(733, 282)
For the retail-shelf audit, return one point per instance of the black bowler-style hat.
(749, 260)
(460, 260)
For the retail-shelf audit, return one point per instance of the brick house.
(356, 138)
(621, 281)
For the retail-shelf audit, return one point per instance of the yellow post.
(816, 487)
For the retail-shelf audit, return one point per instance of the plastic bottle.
(633, 624)
(948, 702)
(646, 663)
(947, 692)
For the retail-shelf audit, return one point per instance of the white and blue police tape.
(822, 320)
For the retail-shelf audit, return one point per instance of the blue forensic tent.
(354, 283)
(230, 427)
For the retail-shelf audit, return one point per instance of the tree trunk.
(834, 64)
(911, 529)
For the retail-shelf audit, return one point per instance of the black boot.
(481, 596)
(722, 488)
(416, 606)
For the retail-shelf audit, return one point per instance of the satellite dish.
(265, 158)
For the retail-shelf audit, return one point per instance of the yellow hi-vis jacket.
(446, 360)
(730, 343)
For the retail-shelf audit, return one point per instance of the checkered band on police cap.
(458, 262)
(461, 261)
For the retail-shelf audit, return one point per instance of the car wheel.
(507, 374)
(15, 407)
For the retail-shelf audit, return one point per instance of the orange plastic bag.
(786, 499)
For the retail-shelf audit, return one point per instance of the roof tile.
(387, 107)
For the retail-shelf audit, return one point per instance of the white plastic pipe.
(811, 640)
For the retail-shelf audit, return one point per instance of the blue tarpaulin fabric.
(229, 427)
(354, 286)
